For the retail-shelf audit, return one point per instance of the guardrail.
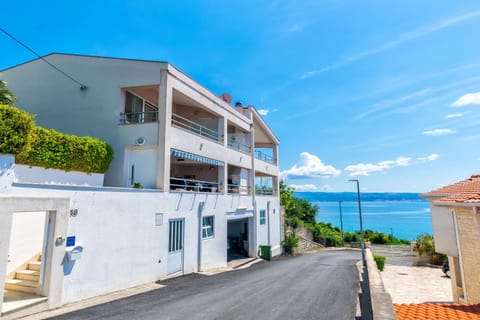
(240, 147)
(264, 157)
(181, 184)
(237, 188)
(138, 117)
(196, 128)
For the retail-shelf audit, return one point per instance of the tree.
(6, 97)
(286, 196)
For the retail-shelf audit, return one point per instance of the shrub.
(290, 243)
(380, 260)
(425, 244)
(52, 149)
(16, 128)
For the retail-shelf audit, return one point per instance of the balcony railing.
(180, 184)
(263, 156)
(264, 191)
(240, 147)
(138, 117)
(196, 128)
(237, 188)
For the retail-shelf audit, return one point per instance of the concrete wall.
(29, 174)
(124, 247)
(444, 230)
(26, 238)
(469, 247)
(7, 173)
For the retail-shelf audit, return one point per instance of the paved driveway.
(321, 285)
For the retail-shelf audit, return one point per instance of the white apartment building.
(193, 184)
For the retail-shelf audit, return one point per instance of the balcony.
(138, 117)
(264, 157)
(181, 184)
(195, 128)
(239, 146)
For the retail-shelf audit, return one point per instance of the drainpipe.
(460, 262)
(268, 222)
(201, 205)
(252, 183)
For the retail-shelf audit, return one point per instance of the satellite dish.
(226, 97)
(141, 141)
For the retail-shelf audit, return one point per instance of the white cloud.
(467, 99)
(429, 158)
(310, 166)
(294, 28)
(438, 132)
(454, 115)
(405, 37)
(364, 169)
(263, 112)
(304, 187)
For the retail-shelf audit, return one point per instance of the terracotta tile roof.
(430, 311)
(467, 190)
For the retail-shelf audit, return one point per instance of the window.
(137, 110)
(207, 227)
(262, 216)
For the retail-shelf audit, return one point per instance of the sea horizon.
(403, 214)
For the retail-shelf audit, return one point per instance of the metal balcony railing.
(240, 147)
(237, 188)
(263, 191)
(180, 184)
(263, 156)
(196, 128)
(138, 117)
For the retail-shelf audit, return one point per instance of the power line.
(82, 86)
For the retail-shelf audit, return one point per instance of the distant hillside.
(352, 196)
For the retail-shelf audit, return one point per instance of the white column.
(164, 125)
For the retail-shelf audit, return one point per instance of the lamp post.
(362, 234)
(341, 220)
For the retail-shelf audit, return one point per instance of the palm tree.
(6, 97)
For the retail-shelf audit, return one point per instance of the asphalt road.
(320, 285)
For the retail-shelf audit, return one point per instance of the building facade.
(193, 184)
(456, 230)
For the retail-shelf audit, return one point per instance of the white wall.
(26, 238)
(7, 174)
(444, 230)
(29, 174)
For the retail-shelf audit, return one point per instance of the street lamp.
(362, 234)
(341, 220)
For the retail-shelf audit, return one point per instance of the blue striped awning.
(195, 157)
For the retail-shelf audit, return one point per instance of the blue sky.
(387, 92)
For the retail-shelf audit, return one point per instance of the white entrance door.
(175, 245)
(142, 168)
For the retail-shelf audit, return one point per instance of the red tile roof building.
(431, 311)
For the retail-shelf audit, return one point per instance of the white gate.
(176, 237)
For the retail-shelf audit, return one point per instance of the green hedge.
(37, 146)
(380, 260)
(15, 129)
(52, 149)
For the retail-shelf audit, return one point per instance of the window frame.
(208, 231)
(263, 216)
(147, 106)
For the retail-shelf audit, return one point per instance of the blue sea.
(405, 215)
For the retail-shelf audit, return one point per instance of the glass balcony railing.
(264, 157)
(138, 117)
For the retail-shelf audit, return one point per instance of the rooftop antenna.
(82, 86)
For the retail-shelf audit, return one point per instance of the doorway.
(27, 271)
(141, 168)
(176, 236)
(238, 239)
